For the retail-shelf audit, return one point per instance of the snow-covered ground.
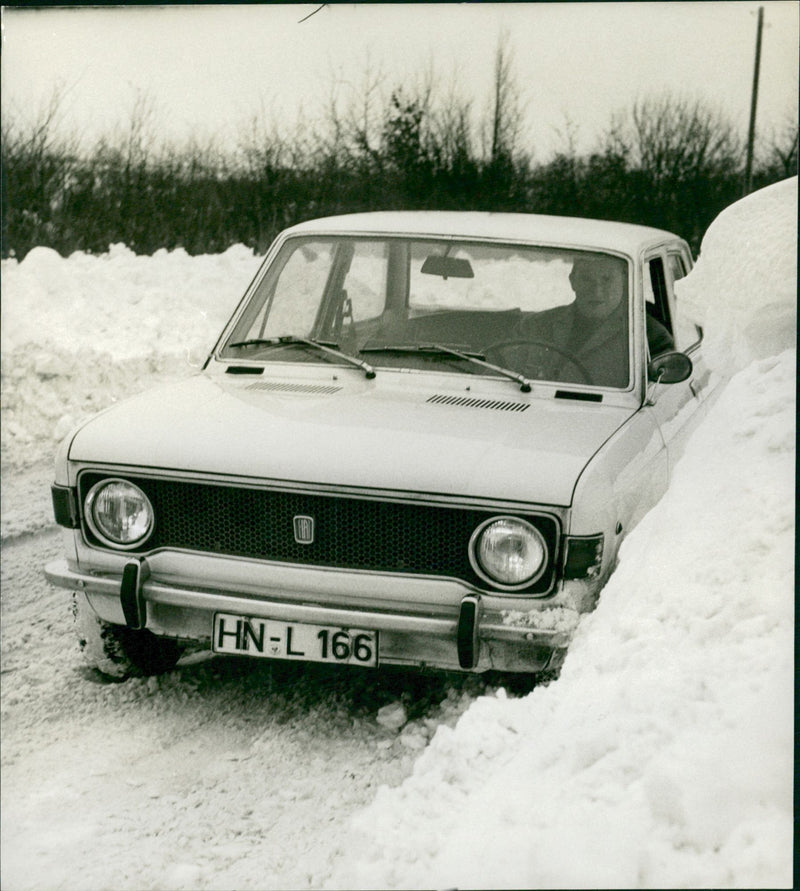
(662, 757)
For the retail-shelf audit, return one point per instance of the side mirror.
(670, 368)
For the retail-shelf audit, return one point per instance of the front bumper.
(464, 633)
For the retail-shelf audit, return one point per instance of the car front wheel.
(120, 652)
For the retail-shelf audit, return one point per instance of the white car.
(419, 441)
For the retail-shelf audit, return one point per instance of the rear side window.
(676, 267)
(687, 331)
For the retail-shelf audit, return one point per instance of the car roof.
(508, 227)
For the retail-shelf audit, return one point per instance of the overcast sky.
(208, 69)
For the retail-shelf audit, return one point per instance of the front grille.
(350, 533)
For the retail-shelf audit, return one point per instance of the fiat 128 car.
(419, 441)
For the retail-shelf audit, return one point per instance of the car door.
(674, 406)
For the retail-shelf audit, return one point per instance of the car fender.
(620, 483)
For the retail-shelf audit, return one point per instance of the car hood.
(365, 434)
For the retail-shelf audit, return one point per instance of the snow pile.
(662, 757)
(743, 289)
(81, 332)
(122, 303)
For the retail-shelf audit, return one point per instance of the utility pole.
(751, 135)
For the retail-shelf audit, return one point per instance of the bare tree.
(353, 117)
(676, 139)
(39, 162)
(506, 107)
(261, 144)
(452, 133)
(678, 158)
(781, 154)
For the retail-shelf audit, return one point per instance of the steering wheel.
(536, 359)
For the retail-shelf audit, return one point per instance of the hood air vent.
(281, 387)
(472, 402)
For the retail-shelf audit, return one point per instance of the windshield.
(546, 313)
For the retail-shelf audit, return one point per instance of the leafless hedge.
(669, 161)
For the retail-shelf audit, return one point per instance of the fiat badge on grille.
(304, 530)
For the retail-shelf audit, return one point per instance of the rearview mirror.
(670, 368)
(447, 267)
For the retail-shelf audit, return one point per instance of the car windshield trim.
(475, 358)
(329, 348)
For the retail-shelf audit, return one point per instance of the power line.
(307, 17)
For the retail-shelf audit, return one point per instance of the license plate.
(270, 639)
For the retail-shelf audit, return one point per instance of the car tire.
(119, 652)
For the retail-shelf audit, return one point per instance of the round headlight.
(119, 513)
(508, 552)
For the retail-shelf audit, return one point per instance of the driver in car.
(590, 335)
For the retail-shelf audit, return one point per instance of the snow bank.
(122, 303)
(662, 757)
(743, 289)
(81, 332)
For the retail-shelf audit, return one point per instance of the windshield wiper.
(289, 340)
(476, 358)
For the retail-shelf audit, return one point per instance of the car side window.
(687, 331)
(676, 267)
(657, 303)
(659, 322)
